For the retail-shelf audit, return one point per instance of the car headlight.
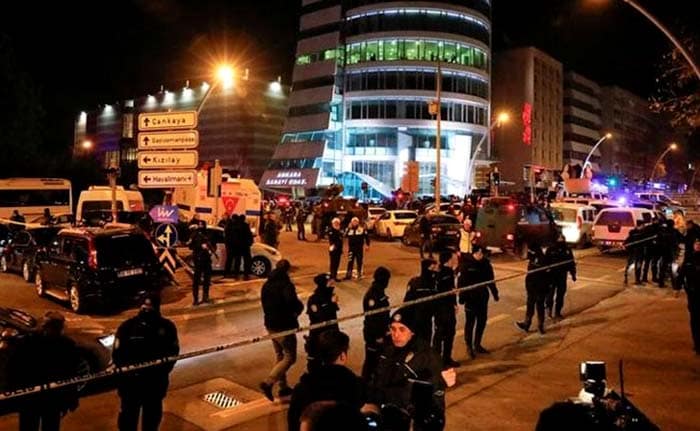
(107, 341)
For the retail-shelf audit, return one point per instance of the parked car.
(20, 253)
(613, 225)
(504, 223)
(658, 197)
(94, 347)
(393, 223)
(57, 220)
(575, 221)
(90, 266)
(374, 213)
(598, 204)
(445, 231)
(264, 257)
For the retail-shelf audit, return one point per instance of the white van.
(99, 198)
(613, 225)
(575, 221)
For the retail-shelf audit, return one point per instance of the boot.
(524, 326)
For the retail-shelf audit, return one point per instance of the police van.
(98, 199)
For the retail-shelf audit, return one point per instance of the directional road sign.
(168, 140)
(165, 257)
(166, 235)
(168, 120)
(167, 179)
(168, 159)
(164, 214)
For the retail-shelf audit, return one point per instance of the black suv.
(20, 253)
(444, 228)
(92, 266)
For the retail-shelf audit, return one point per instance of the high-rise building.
(582, 120)
(365, 73)
(529, 84)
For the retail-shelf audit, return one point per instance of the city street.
(239, 317)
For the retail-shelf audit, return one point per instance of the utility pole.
(436, 109)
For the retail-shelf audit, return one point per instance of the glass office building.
(364, 75)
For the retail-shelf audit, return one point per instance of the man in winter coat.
(330, 381)
(281, 307)
(445, 311)
(301, 222)
(145, 337)
(561, 254)
(335, 247)
(321, 307)
(376, 326)
(238, 239)
(476, 272)
(202, 250)
(690, 279)
(358, 241)
(636, 247)
(537, 287)
(420, 287)
(269, 231)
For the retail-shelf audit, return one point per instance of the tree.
(678, 92)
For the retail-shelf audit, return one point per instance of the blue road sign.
(164, 214)
(166, 235)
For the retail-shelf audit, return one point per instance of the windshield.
(117, 250)
(443, 219)
(404, 216)
(564, 214)
(623, 218)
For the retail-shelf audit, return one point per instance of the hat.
(321, 280)
(406, 316)
(476, 248)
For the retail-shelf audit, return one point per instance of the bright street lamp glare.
(608, 135)
(674, 146)
(225, 75)
(503, 117)
(86, 144)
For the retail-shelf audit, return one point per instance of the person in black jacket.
(358, 241)
(426, 240)
(422, 287)
(335, 247)
(376, 326)
(537, 287)
(668, 240)
(269, 231)
(145, 337)
(281, 308)
(445, 311)
(689, 275)
(238, 239)
(202, 250)
(635, 246)
(650, 243)
(321, 307)
(301, 221)
(330, 381)
(476, 272)
(559, 253)
(41, 358)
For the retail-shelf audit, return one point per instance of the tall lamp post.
(435, 108)
(590, 153)
(670, 148)
(501, 119)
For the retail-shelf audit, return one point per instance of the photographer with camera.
(409, 384)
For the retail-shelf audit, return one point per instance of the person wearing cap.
(421, 287)
(358, 242)
(143, 338)
(476, 274)
(445, 311)
(689, 275)
(332, 380)
(536, 287)
(322, 306)
(281, 308)
(410, 377)
(42, 358)
(376, 326)
(335, 247)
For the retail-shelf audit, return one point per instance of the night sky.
(80, 53)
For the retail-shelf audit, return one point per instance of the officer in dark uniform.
(690, 279)
(376, 326)
(446, 310)
(145, 337)
(202, 249)
(537, 287)
(650, 243)
(358, 239)
(635, 246)
(474, 270)
(321, 307)
(668, 241)
(409, 381)
(335, 247)
(560, 253)
(421, 287)
(301, 220)
(426, 240)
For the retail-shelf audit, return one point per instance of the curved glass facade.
(432, 50)
(422, 80)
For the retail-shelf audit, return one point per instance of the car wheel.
(389, 237)
(260, 266)
(3, 264)
(76, 300)
(27, 272)
(39, 284)
(405, 240)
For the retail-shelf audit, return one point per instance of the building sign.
(527, 123)
(290, 178)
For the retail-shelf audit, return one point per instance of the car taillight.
(436, 229)
(511, 207)
(477, 235)
(510, 237)
(92, 256)
(579, 222)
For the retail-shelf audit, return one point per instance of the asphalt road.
(241, 318)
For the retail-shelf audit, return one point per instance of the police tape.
(116, 371)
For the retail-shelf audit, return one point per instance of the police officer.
(322, 306)
(409, 379)
(635, 246)
(202, 250)
(537, 287)
(426, 240)
(476, 273)
(668, 241)
(560, 253)
(335, 247)
(690, 277)
(650, 242)
(358, 240)
(145, 337)
(445, 311)
(376, 326)
(421, 287)
(301, 220)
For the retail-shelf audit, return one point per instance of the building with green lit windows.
(365, 72)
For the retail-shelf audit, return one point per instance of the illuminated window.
(303, 59)
(423, 50)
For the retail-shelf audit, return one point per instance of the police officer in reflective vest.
(358, 239)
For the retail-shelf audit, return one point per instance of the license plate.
(130, 272)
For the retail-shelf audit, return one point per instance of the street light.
(670, 148)
(224, 77)
(501, 119)
(86, 145)
(590, 154)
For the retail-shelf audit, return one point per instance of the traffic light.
(496, 178)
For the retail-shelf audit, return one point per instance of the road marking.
(599, 281)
